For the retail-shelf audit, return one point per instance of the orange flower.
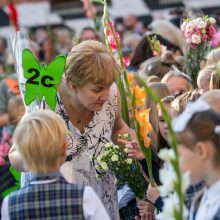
(142, 117)
(140, 96)
(130, 78)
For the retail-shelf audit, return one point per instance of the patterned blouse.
(80, 167)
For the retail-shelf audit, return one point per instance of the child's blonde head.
(40, 138)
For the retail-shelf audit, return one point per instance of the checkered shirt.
(191, 191)
(51, 201)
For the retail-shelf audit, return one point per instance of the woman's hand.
(146, 211)
(152, 193)
(133, 149)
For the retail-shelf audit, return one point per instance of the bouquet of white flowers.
(126, 170)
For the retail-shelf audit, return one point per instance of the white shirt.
(210, 203)
(92, 206)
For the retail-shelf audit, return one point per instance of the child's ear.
(63, 153)
(202, 150)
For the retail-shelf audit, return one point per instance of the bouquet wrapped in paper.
(198, 33)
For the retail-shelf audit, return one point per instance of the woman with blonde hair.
(89, 103)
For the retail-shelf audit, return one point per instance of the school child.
(198, 138)
(41, 139)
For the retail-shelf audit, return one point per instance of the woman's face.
(93, 96)
(177, 85)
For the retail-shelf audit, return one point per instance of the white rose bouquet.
(126, 170)
(198, 33)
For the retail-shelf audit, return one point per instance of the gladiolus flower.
(111, 38)
(125, 60)
(140, 96)
(142, 117)
(130, 77)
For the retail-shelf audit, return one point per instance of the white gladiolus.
(114, 157)
(167, 178)
(196, 39)
(170, 204)
(167, 154)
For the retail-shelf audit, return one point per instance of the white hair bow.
(181, 121)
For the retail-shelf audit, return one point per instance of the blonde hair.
(39, 138)
(90, 61)
(162, 91)
(179, 103)
(212, 97)
(213, 57)
(175, 73)
(214, 81)
(206, 72)
(15, 110)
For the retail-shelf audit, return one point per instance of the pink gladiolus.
(112, 42)
(111, 39)
(125, 60)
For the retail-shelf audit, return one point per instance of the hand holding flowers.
(126, 170)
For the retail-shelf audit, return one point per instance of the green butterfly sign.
(42, 81)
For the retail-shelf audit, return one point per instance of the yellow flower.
(140, 96)
(142, 117)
